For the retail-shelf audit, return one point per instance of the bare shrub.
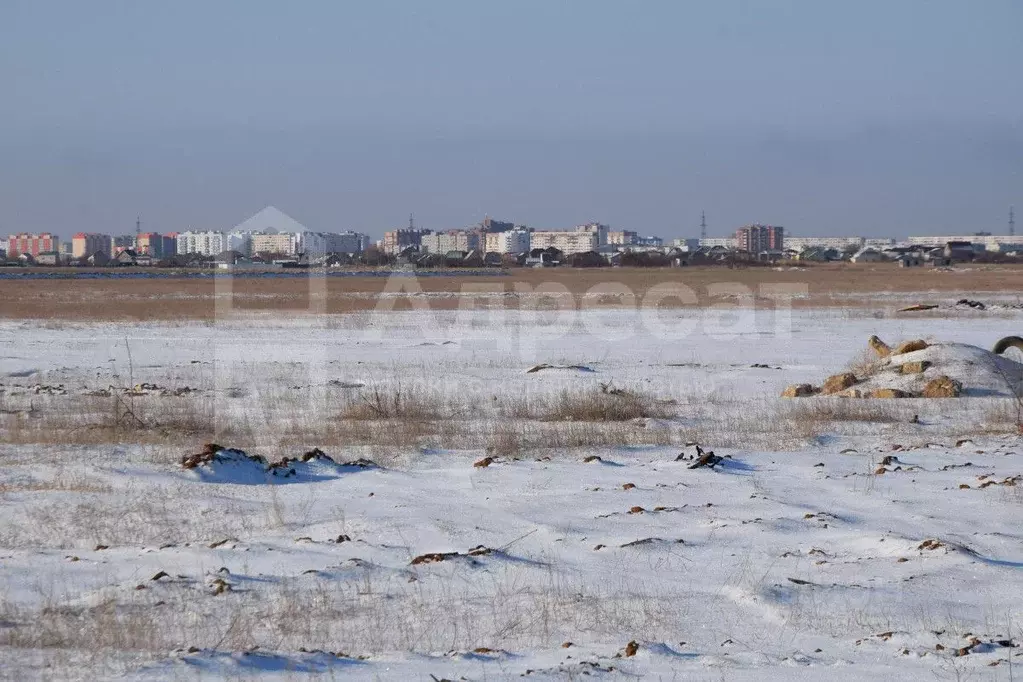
(866, 364)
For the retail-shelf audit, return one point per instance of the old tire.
(1007, 343)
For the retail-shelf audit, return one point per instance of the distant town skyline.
(872, 118)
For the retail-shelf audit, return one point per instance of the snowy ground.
(840, 539)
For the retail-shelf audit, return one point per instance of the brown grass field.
(177, 298)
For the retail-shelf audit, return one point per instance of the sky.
(871, 118)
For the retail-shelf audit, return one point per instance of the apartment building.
(84, 244)
(452, 240)
(510, 241)
(599, 230)
(396, 241)
(155, 245)
(321, 243)
(571, 241)
(121, 243)
(207, 243)
(347, 242)
(490, 225)
(284, 243)
(621, 237)
(31, 244)
(240, 241)
(756, 238)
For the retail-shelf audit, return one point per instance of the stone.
(942, 387)
(850, 393)
(838, 382)
(910, 346)
(798, 391)
(880, 347)
(889, 393)
(918, 367)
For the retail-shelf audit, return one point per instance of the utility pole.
(703, 225)
(1012, 222)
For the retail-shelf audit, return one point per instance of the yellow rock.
(914, 367)
(850, 393)
(798, 391)
(942, 387)
(837, 383)
(879, 346)
(889, 393)
(910, 346)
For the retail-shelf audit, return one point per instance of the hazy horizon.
(868, 119)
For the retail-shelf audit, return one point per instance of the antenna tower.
(1012, 222)
(703, 225)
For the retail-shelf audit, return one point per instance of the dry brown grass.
(72, 301)
(602, 404)
(91, 420)
(866, 364)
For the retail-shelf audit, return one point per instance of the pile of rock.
(910, 371)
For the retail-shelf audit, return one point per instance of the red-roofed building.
(31, 244)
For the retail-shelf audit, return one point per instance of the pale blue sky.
(827, 117)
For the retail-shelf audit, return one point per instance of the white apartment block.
(990, 242)
(510, 241)
(575, 241)
(203, 243)
(880, 243)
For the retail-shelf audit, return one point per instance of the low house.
(473, 259)
(678, 257)
(544, 258)
(125, 258)
(98, 259)
(408, 256)
(959, 252)
(48, 258)
(867, 255)
(585, 259)
(493, 259)
(771, 255)
(430, 260)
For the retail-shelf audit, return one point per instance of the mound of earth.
(918, 369)
(230, 465)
